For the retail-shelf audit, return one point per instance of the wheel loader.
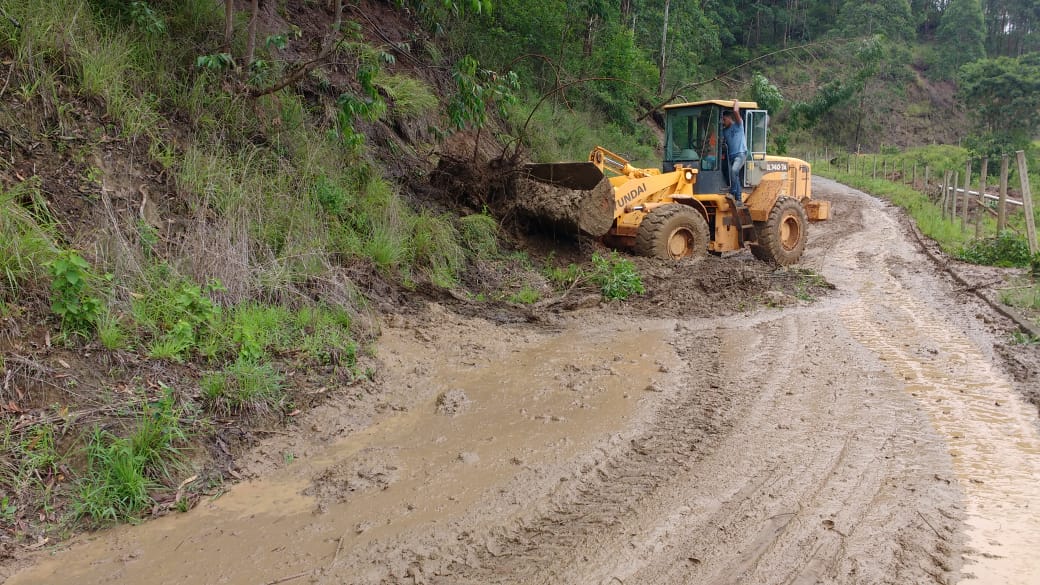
(684, 208)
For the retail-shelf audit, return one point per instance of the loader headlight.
(688, 175)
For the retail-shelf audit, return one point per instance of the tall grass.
(28, 236)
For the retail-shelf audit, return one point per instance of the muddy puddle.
(488, 416)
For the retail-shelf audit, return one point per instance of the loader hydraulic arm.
(617, 164)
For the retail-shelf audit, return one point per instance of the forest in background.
(851, 74)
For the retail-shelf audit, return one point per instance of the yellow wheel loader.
(684, 208)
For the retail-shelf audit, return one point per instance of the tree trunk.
(626, 12)
(229, 24)
(251, 40)
(664, 49)
(590, 28)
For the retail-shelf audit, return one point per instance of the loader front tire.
(672, 232)
(781, 238)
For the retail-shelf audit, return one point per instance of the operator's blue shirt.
(734, 137)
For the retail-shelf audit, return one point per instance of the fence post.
(982, 197)
(848, 163)
(927, 172)
(884, 169)
(953, 195)
(942, 194)
(1002, 203)
(1027, 200)
(913, 179)
(967, 185)
(874, 176)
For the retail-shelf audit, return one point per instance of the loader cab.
(693, 138)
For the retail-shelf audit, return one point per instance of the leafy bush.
(72, 297)
(177, 313)
(617, 277)
(1006, 249)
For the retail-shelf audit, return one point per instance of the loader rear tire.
(781, 238)
(672, 232)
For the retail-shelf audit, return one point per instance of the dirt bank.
(872, 436)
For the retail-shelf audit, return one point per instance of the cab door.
(756, 127)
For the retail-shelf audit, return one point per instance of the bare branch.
(725, 74)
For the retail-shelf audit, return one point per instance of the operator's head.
(727, 118)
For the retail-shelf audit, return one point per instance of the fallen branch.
(289, 578)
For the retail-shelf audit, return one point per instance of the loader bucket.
(570, 197)
(580, 176)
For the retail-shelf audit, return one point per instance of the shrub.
(617, 277)
(1006, 249)
(71, 293)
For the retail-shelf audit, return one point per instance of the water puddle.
(991, 432)
(540, 401)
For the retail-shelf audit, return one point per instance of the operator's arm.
(736, 112)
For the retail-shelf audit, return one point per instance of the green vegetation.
(1004, 249)
(244, 387)
(1008, 248)
(73, 297)
(617, 277)
(122, 472)
(29, 236)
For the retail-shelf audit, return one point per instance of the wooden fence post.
(848, 163)
(884, 169)
(982, 197)
(1027, 201)
(953, 195)
(927, 172)
(874, 176)
(1002, 203)
(967, 185)
(942, 194)
(913, 179)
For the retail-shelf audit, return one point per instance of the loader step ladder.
(742, 218)
(747, 227)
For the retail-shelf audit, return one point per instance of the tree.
(1002, 96)
(891, 18)
(961, 35)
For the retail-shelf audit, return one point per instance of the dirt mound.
(721, 286)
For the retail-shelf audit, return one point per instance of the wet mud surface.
(876, 435)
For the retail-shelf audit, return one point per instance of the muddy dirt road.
(869, 437)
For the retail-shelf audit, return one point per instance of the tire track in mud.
(994, 444)
(769, 463)
(688, 425)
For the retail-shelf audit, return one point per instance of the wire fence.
(964, 197)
